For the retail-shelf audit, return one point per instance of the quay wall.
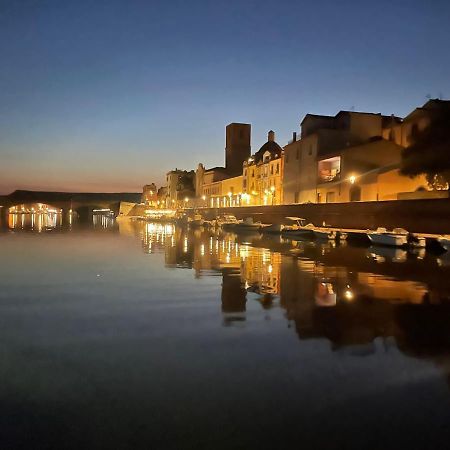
(422, 216)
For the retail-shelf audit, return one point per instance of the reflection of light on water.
(100, 220)
(157, 233)
(348, 294)
(35, 221)
(325, 295)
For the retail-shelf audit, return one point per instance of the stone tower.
(237, 148)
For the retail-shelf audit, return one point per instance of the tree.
(429, 153)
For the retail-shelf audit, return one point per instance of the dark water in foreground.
(132, 335)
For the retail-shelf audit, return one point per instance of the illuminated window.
(329, 169)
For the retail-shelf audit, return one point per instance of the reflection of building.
(234, 296)
(263, 175)
(261, 269)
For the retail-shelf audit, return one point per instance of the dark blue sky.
(110, 95)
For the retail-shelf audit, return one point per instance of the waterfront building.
(402, 133)
(320, 136)
(161, 196)
(367, 172)
(149, 195)
(263, 175)
(180, 188)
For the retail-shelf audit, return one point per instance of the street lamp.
(352, 179)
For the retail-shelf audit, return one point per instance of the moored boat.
(226, 221)
(298, 229)
(394, 238)
(247, 225)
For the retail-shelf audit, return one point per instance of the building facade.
(262, 175)
(149, 195)
(180, 188)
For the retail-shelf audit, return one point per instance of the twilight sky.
(110, 95)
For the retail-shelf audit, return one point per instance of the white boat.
(226, 221)
(298, 229)
(273, 228)
(394, 238)
(247, 225)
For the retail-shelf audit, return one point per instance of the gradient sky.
(110, 95)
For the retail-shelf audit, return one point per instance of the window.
(329, 169)
(278, 168)
(271, 170)
(296, 196)
(253, 173)
(330, 197)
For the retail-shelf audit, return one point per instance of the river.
(123, 335)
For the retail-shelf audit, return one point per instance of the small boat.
(298, 229)
(394, 238)
(274, 228)
(196, 221)
(226, 221)
(247, 225)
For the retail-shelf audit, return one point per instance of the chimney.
(294, 136)
(271, 136)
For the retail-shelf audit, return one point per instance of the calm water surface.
(131, 335)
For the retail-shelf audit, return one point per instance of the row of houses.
(351, 156)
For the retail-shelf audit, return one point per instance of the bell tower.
(237, 147)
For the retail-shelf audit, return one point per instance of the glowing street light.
(352, 179)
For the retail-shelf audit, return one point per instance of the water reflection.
(351, 296)
(100, 220)
(40, 221)
(36, 221)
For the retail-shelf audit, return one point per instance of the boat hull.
(325, 235)
(389, 240)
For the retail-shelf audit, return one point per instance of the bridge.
(82, 203)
